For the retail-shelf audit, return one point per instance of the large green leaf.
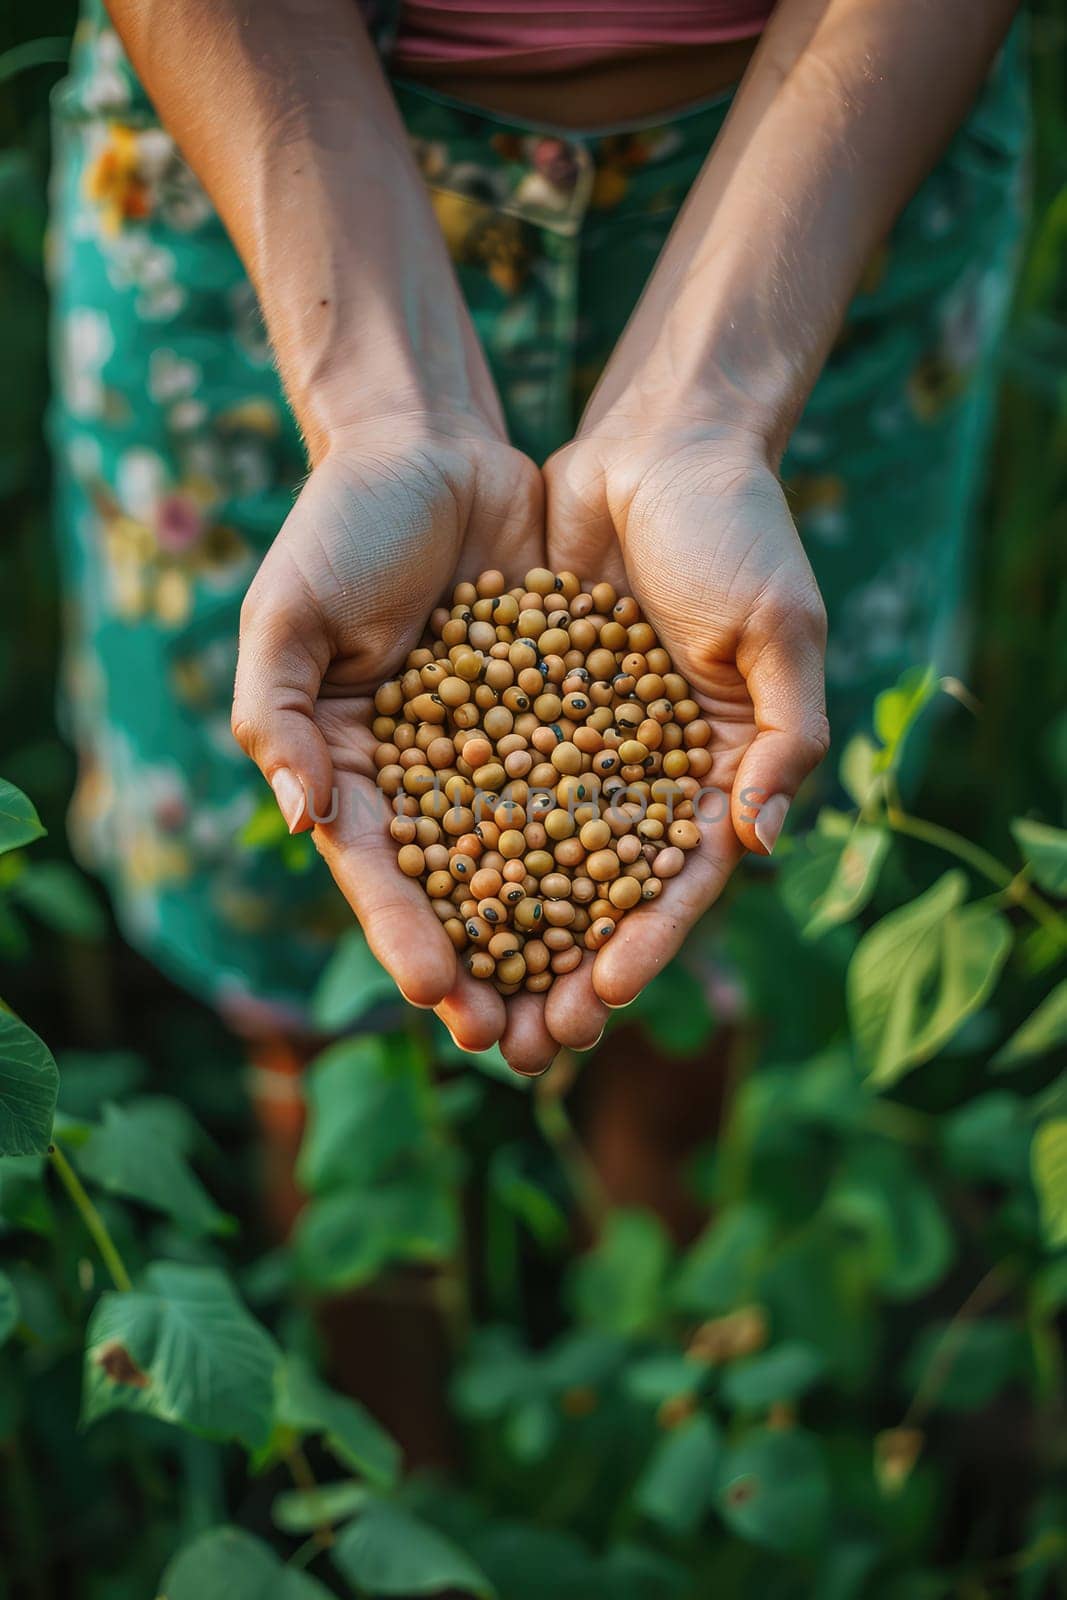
(229, 1564)
(619, 1284)
(389, 1551)
(854, 879)
(19, 822)
(921, 972)
(9, 1308)
(131, 1154)
(182, 1348)
(352, 984)
(350, 1433)
(1045, 1029)
(366, 1107)
(678, 1484)
(773, 1489)
(345, 1238)
(1049, 1166)
(29, 1084)
(1044, 850)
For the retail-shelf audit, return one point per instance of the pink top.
(563, 33)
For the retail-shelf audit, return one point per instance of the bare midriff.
(646, 83)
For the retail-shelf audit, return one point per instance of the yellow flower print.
(149, 860)
(114, 182)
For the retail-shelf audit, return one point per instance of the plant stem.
(305, 1480)
(983, 863)
(94, 1222)
(551, 1116)
(993, 1287)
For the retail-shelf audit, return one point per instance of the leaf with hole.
(773, 1489)
(183, 1348)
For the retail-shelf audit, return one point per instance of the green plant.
(775, 1408)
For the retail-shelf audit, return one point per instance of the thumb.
(784, 676)
(579, 529)
(282, 656)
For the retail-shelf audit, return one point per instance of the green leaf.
(782, 1373)
(655, 1378)
(674, 1011)
(963, 1365)
(858, 768)
(229, 1564)
(773, 1489)
(350, 1433)
(29, 1084)
(1049, 1166)
(619, 1284)
(300, 1511)
(58, 895)
(896, 709)
(366, 1106)
(19, 822)
(902, 1238)
(345, 1238)
(24, 1202)
(351, 985)
(9, 1308)
(989, 1139)
(389, 1551)
(854, 879)
(917, 975)
(677, 1486)
(129, 1154)
(524, 1197)
(1044, 850)
(1045, 1029)
(184, 1349)
(718, 1271)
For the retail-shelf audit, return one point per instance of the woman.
(440, 405)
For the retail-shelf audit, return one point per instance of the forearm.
(283, 112)
(846, 106)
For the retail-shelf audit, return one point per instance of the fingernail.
(289, 793)
(770, 820)
(621, 1005)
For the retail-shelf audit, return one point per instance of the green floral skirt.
(177, 458)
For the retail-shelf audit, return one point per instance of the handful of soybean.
(542, 757)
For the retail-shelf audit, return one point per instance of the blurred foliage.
(849, 1384)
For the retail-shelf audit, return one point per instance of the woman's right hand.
(391, 517)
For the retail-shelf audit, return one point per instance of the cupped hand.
(388, 521)
(699, 532)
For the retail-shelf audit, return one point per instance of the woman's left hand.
(698, 530)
